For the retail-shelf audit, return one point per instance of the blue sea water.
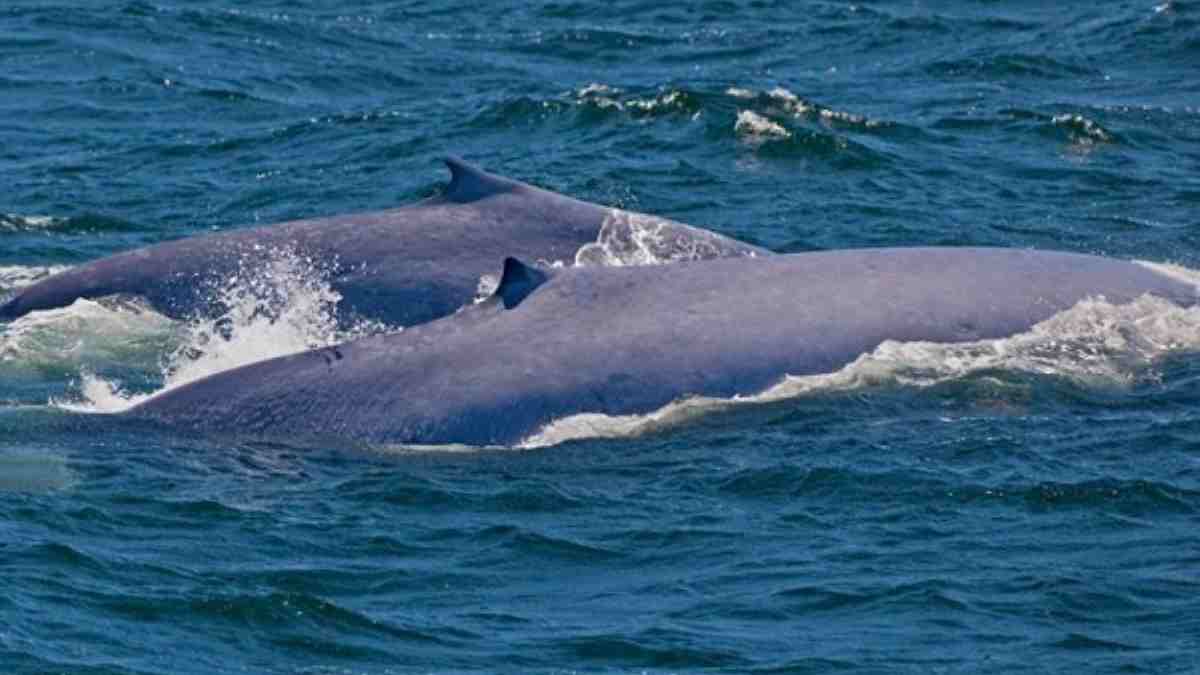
(1025, 506)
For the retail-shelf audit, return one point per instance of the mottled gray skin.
(402, 266)
(630, 340)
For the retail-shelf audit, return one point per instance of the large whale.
(402, 266)
(619, 341)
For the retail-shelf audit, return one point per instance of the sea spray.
(276, 307)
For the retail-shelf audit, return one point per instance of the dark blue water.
(1022, 507)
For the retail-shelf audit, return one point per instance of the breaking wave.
(1095, 343)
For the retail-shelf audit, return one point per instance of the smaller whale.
(402, 266)
(619, 341)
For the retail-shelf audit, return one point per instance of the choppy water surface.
(1025, 505)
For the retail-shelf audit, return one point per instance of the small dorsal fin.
(469, 183)
(518, 281)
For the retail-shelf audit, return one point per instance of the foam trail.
(1095, 343)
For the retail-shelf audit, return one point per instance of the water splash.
(281, 307)
(629, 238)
(99, 395)
(1095, 343)
(278, 305)
(488, 283)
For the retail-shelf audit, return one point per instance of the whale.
(550, 344)
(400, 267)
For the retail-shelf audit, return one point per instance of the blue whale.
(402, 266)
(554, 343)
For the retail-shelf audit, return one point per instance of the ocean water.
(1026, 505)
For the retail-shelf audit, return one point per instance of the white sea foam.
(16, 277)
(756, 127)
(794, 105)
(664, 100)
(791, 102)
(1093, 343)
(598, 88)
(628, 238)
(604, 96)
(488, 283)
(85, 333)
(600, 95)
(282, 307)
(15, 222)
(1084, 131)
(100, 396)
(1177, 272)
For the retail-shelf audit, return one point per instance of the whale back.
(630, 340)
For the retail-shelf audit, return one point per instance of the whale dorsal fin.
(518, 281)
(469, 183)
